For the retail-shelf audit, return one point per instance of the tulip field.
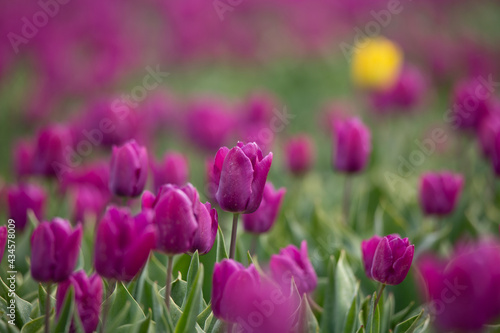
(234, 166)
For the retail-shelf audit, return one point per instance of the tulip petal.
(259, 181)
(382, 261)
(42, 253)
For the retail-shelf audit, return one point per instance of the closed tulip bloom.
(439, 192)
(54, 250)
(22, 156)
(87, 200)
(264, 217)
(241, 173)
(387, 259)
(495, 154)
(184, 223)
(129, 169)
(172, 169)
(294, 263)
(488, 131)
(123, 243)
(469, 105)
(299, 154)
(22, 198)
(3, 240)
(352, 145)
(88, 298)
(51, 146)
(464, 289)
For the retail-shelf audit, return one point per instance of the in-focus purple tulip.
(470, 104)
(3, 240)
(239, 293)
(129, 169)
(464, 289)
(439, 192)
(172, 169)
(294, 263)
(240, 174)
(184, 223)
(264, 217)
(88, 298)
(352, 145)
(22, 198)
(54, 250)
(300, 154)
(52, 144)
(123, 243)
(87, 200)
(387, 259)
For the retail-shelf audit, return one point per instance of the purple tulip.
(294, 263)
(129, 169)
(51, 146)
(495, 154)
(54, 250)
(95, 174)
(173, 169)
(439, 192)
(88, 298)
(352, 145)
(264, 217)
(23, 154)
(252, 302)
(463, 290)
(471, 104)
(87, 200)
(299, 154)
(488, 131)
(3, 240)
(184, 223)
(123, 243)
(387, 259)
(240, 175)
(22, 198)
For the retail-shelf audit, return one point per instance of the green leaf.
(161, 316)
(398, 317)
(192, 273)
(373, 322)
(308, 322)
(22, 307)
(66, 314)
(120, 297)
(345, 291)
(408, 325)
(388, 312)
(328, 318)
(187, 322)
(34, 326)
(350, 321)
(216, 254)
(202, 317)
(140, 327)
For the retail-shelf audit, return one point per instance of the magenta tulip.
(129, 169)
(264, 217)
(172, 169)
(23, 198)
(439, 192)
(3, 240)
(52, 144)
(299, 154)
(352, 145)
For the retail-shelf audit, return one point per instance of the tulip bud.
(173, 169)
(241, 177)
(488, 131)
(387, 259)
(88, 298)
(238, 293)
(470, 106)
(22, 198)
(495, 154)
(264, 217)
(294, 263)
(23, 154)
(439, 192)
(87, 199)
(352, 145)
(299, 154)
(129, 169)
(3, 240)
(54, 250)
(123, 243)
(184, 223)
(51, 146)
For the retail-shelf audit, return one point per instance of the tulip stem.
(379, 295)
(168, 286)
(346, 200)
(253, 244)
(107, 303)
(47, 308)
(232, 250)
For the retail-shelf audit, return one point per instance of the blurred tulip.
(239, 294)
(129, 169)
(488, 129)
(52, 144)
(352, 145)
(495, 154)
(23, 154)
(95, 174)
(3, 240)
(300, 154)
(241, 175)
(471, 104)
(184, 223)
(463, 290)
(87, 199)
(264, 217)
(294, 263)
(387, 259)
(173, 169)
(123, 243)
(88, 298)
(22, 198)
(54, 250)
(439, 192)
